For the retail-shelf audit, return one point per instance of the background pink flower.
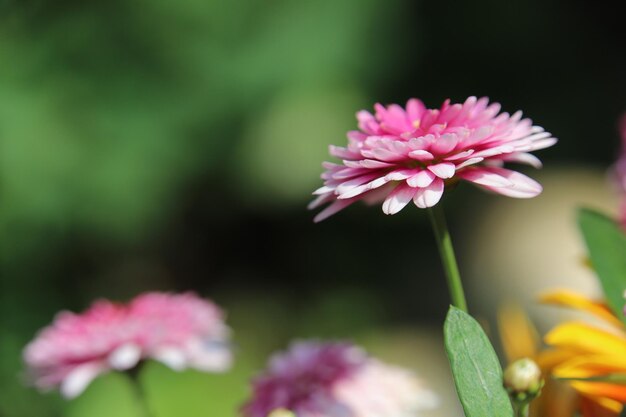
(315, 379)
(180, 330)
(409, 154)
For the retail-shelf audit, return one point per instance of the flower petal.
(429, 196)
(378, 182)
(523, 158)
(468, 162)
(422, 179)
(584, 338)
(79, 379)
(460, 155)
(332, 209)
(444, 144)
(483, 176)
(172, 357)
(400, 174)
(443, 170)
(519, 185)
(398, 199)
(125, 357)
(421, 155)
(567, 298)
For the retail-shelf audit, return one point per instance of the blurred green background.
(174, 146)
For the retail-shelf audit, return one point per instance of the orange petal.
(589, 366)
(584, 338)
(566, 298)
(600, 407)
(585, 366)
(548, 359)
(601, 390)
(517, 334)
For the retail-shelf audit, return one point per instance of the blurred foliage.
(108, 108)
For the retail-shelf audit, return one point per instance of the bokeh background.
(174, 146)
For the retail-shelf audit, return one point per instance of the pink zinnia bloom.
(401, 155)
(315, 379)
(180, 330)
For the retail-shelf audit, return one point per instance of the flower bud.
(522, 379)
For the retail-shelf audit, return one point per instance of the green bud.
(522, 380)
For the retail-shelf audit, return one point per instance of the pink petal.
(421, 143)
(479, 135)
(398, 199)
(496, 150)
(400, 174)
(429, 196)
(421, 179)
(444, 144)
(325, 189)
(421, 155)
(321, 200)
(373, 164)
(523, 158)
(484, 176)
(443, 170)
(348, 185)
(539, 144)
(367, 122)
(79, 379)
(414, 109)
(520, 186)
(460, 155)
(332, 209)
(378, 182)
(346, 173)
(125, 357)
(469, 162)
(382, 154)
(343, 153)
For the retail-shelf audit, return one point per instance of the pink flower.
(399, 155)
(314, 379)
(182, 331)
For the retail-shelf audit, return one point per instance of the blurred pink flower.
(399, 155)
(179, 330)
(315, 379)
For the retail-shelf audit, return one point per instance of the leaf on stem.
(475, 367)
(606, 243)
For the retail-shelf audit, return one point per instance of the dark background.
(174, 145)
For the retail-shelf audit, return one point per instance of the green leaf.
(475, 367)
(606, 243)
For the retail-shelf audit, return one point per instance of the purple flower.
(335, 379)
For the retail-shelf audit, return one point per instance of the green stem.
(446, 251)
(522, 409)
(140, 395)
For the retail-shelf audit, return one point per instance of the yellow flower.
(520, 340)
(581, 350)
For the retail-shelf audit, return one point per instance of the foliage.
(475, 367)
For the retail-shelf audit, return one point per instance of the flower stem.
(446, 251)
(140, 395)
(522, 410)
